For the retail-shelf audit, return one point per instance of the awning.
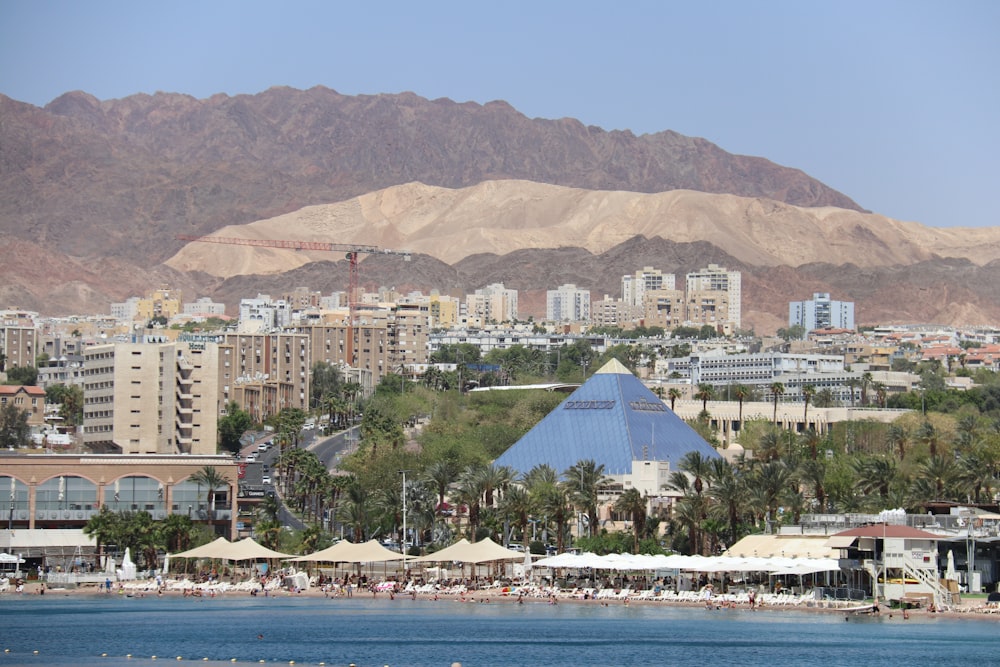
(840, 541)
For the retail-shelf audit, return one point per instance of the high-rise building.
(492, 304)
(151, 397)
(821, 313)
(634, 287)
(705, 304)
(567, 303)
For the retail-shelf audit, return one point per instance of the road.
(329, 450)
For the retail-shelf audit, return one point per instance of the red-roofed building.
(900, 561)
(27, 398)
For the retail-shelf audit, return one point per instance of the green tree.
(211, 479)
(14, 429)
(632, 504)
(232, 426)
(584, 479)
(808, 391)
(673, 394)
(22, 375)
(705, 393)
(777, 391)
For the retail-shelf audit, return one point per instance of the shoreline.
(965, 610)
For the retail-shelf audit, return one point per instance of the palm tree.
(875, 475)
(673, 394)
(633, 504)
(808, 391)
(741, 392)
(928, 435)
(583, 481)
(705, 393)
(881, 393)
(852, 384)
(441, 474)
(469, 493)
(898, 438)
(101, 526)
(866, 382)
(941, 475)
(553, 501)
(175, 532)
(211, 479)
(813, 473)
(777, 391)
(699, 467)
(517, 506)
(730, 492)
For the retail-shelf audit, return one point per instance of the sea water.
(77, 630)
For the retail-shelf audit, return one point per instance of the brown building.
(27, 399)
(64, 491)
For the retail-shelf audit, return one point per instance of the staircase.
(942, 596)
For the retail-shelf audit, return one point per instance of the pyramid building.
(613, 419)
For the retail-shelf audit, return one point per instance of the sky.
(893, 103)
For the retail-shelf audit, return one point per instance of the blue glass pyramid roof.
(613, 419)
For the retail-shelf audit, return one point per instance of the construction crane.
(352, 251)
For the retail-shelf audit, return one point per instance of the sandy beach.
(969, 608)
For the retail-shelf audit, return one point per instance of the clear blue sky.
(894, 103)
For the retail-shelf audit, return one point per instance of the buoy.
(104, 655)
(35, 652)
(153, 657)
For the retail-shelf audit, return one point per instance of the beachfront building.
(821, 312)
(52, 497)
(151, 397)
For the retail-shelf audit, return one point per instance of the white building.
(567, 303)
(492, 304)
(127, 310)
(261, 315)
(203, 306)
(634, 287)
(821, 313)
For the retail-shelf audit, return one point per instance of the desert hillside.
(500, 217)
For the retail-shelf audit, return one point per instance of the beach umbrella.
(950, 572)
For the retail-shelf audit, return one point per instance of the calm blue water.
(406, 633)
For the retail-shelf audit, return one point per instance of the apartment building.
(714, 296)
(268, 360)
(647, 279)
(821, 312)
(19, 344)
(664, 308)
(567, 303)
(493, 303)
(204, 307)
(151, 397)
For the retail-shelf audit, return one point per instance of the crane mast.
(352, 251)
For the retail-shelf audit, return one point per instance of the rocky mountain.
(93, 194)
(122, 177)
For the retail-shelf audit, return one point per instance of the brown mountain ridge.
(93, 194)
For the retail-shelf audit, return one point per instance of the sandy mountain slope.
(500, 217)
